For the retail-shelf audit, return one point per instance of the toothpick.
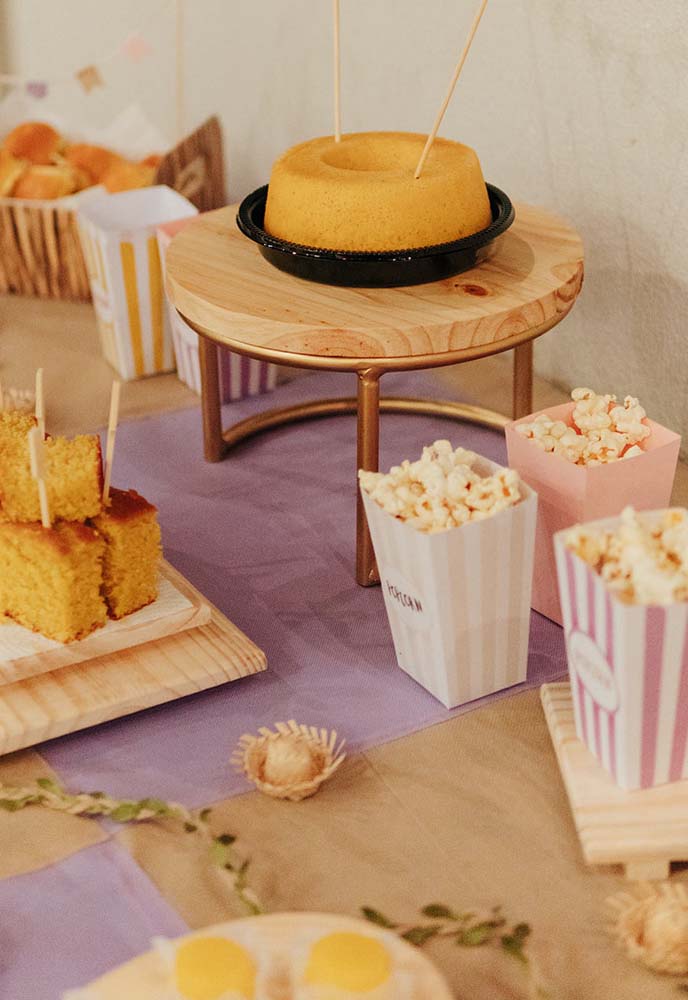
(111, 435)
(452, 86)
(37, 456)
(40, 403)
(337, 76)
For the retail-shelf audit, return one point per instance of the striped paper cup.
(239, 376)
(117, 234)
(458, 601)
(628, 665)
(575, 494)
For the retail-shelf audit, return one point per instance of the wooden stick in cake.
(337, 76)
(111, 435)
(37, 456)
(40, 403)
(452, 87)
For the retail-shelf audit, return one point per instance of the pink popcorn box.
(458, 601)
(240, 377)
(628, 665)
(572, 494)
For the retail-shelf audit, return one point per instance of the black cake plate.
(390, 269)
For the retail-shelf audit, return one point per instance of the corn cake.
(74, 476)
(361, 193)
(51, 578)
(131, 532)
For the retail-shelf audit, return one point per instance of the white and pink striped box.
(240, 377)
(628, 665)
(573, 494)
(458, 601)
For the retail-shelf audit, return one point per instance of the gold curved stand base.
(367, 406)
(347, 405)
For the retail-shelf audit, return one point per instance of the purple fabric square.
(269, 536)
(70, 923)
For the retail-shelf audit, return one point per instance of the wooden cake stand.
(225, 290)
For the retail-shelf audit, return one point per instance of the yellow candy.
(212, 967)
(348, 961)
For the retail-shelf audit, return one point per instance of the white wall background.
(576, 105)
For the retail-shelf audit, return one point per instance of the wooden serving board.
(178, 607)
(643, 830)
(79, 695)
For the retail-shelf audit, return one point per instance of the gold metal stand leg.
(523, 380)
(213, 443)
(368, 453)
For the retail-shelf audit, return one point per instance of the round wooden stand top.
(225, 289)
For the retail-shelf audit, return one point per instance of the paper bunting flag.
(89, 77)
(37, 88)
(135, 47)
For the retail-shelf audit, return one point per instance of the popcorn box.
(239, 376)
(628, 665)
(571, 494)
(121, 250)
(458, 601)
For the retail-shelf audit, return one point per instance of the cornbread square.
(74, 478)
(14, 428)
(51, 578)
(130, 528)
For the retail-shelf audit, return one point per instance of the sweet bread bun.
(124, 176)
(45, 183)
(153, 160)
(93, 160)
(37, 142)
(361, 194)
(11, 170)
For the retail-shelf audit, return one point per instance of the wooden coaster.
(644, 830)
(80, 695)
(178, 607)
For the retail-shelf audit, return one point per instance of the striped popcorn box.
(628, 665)
(117, 233)
(575, 494)
(239, 376)
(458, 601)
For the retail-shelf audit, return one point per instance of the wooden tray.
(79, 695)
(644, 830)
(179, 607)
(281, 932)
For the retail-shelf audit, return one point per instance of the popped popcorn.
(441, 490)
(601, 430)
(642, 561)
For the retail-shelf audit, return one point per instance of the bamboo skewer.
(337, 76)
(111, 435)
(452, 87)
(40, 403)
(37, 456)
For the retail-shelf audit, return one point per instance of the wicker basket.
(40, 252)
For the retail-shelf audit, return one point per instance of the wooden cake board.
(643, 830)
(76, 696)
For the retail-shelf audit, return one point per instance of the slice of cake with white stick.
(73, 469)
(51, 575)
(129, 527)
